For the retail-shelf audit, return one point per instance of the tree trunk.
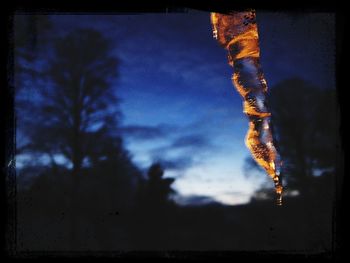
(74, 213)
(304, 170)
(77, 163)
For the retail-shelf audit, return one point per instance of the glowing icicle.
(237, 32)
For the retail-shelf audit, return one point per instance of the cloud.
(183, 152)
(195, 141)
(178, 164)
(184, 143)
(195, 200)
(144, 132)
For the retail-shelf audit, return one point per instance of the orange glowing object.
(237, 32)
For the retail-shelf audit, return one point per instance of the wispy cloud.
(194, 200)
(144, 132)
(177, 164)
(182, 152)
(194, 141)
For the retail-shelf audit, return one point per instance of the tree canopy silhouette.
(154, 192)
(77, 106)
(304, 119)
(30, 35)
(72, 122)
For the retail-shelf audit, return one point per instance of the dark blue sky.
(178, 103)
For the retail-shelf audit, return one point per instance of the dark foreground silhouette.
(303, 223)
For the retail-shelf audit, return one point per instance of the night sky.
(177, 100)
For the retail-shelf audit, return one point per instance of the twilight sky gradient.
(178, 103)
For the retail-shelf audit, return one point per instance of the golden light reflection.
(237, 32)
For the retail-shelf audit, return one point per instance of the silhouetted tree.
(304, 119)
(77, 110)
(31, 39)
(304, 123)
(156, 190)
(30, 36)
(159, 188)
(153, 210)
